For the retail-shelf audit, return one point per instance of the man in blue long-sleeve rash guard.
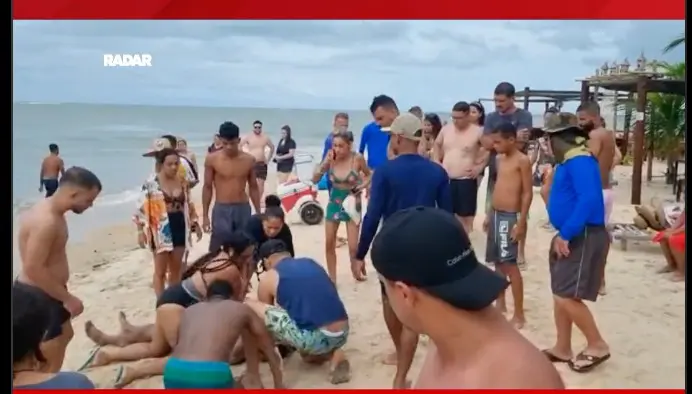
(406, 181)
(375, 141)
(575, 208)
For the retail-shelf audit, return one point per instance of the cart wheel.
(311, 213)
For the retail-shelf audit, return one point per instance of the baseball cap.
(158, 145)
(428, 249)
(558, 122)
(272, 246)
(406, 125)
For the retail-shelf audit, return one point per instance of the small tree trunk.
(670, 170)
(650, 163)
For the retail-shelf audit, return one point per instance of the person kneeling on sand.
(437, 287)
(229, 264)
(207, 334)
(301, 308)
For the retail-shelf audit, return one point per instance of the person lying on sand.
(307, 312)
(134, 343)
(672, 243)
(208, 331)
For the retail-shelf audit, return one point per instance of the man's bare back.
(602, 145)
(508, 361)
(507, 195)
(52, 167)
(230, 176)
(459, 150)
(256, 145)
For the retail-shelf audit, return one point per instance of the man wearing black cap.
(299, 303)
(437, 287)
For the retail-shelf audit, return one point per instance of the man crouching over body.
(301, 308)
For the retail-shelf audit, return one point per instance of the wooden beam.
(639, 129)
(527, 94)
(584, 91)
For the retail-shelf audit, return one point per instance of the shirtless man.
(228, 171)
(256, 144)
(473, 346)
(51, 167)
(505, 221)
(458, 148)
(42, 239)
(602, 145)
(207, 334)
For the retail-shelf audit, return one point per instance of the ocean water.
(110, 140)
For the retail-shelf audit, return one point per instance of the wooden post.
(527, 94)
(614, 127)
(584, 96)
(639, 129)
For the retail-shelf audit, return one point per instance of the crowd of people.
(420, 178)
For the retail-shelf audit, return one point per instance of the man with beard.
(506, 111)
(406, 181)
(228, 172)
(577, 250)
(42, 239)
(257, 144)
(602, 146)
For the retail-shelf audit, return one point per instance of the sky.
(319, 64)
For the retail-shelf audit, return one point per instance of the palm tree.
(666, 124)
(675, 43)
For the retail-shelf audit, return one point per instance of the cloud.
(318, 64)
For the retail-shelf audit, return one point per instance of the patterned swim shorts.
(313, 342)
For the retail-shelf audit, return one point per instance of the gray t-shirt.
(62, 380)
(520, 118)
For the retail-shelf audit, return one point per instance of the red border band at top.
(593, 391)
(351, 9)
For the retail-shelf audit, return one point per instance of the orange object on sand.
(676, 241)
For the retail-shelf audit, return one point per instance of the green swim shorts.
(312, 342)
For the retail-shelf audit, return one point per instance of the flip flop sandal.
(593, 361)
(553, 358)
(117, 382)
(90, 359)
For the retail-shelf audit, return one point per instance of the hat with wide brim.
(557, 123)
(157, 145)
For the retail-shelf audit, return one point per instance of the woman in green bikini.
(349, 175)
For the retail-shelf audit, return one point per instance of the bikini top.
(172, 202)
(351, 179)
(203, 269)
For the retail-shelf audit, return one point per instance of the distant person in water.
(31, 321)
(51, 168)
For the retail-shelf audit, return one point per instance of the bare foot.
(341, 372)
(390, 359)
(602, 291)
(340, 241)
(677, 277)
(406, 384)
(518, 322)
(249, 381)
(96, 335)
(124, 324)
(521, 263)
(664, 270)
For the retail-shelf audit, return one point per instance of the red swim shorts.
(676, 241)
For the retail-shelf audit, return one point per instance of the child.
(505, 222)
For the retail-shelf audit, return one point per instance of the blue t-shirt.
(404, 182)
(376, 142)
(576, 197)
(521, 118)
(62, 380)
(307, 294)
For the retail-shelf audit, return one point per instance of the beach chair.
(625, 232)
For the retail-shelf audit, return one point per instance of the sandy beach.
(642, 317)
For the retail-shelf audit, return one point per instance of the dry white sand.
(642, 317)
